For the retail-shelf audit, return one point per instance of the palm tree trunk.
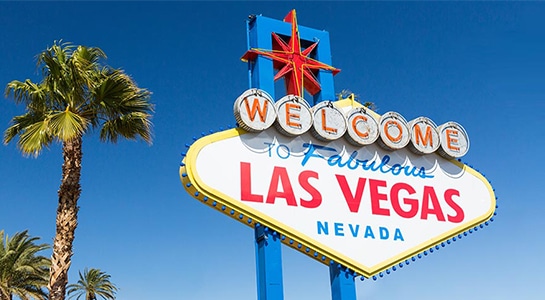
(67, 218)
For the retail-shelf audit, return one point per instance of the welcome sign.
(365, 207)
(335, 181)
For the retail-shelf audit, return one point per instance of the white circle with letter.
(362, 127)
(394, 131)
(294, 115)
(329, 121)
(424, 136)
(254, 110)
(454, 140)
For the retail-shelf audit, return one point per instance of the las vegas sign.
(339, 182)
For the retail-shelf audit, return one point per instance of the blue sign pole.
(268, 246)
(268, 249)
(343, 286)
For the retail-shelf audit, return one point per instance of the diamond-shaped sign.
(361, 206)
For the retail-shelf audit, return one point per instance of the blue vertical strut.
(269, 264)
(261, 75)
(342, 283)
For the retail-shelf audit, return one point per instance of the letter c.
(355, 128)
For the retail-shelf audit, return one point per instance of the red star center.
(292, 62)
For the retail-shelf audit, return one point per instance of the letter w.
(353, 201)
(256, 106)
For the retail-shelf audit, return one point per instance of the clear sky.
(479, 64)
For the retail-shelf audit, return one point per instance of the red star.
(292, 62)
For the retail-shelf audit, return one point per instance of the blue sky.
(479, 64)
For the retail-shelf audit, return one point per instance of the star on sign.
(292, 61)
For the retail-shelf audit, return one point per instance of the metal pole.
(342, 283)
(268, 249)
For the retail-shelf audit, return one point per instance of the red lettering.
(376, 197)
(280, 175)
(413, 203)
(459, 217)
(316, 199)
(431, 198)
(353, 201)
(402, 196)
(246, 184)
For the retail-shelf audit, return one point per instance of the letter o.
(286, 150)
(394, 131)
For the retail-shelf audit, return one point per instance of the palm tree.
(93, 283)
(23, 272)
(348, 94)
(76, 95)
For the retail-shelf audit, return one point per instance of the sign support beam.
(342, 283)
(268, 249)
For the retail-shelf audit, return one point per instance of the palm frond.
(118, 94)
(92, 283)
(54, 58)
(23, 272)
(27, 92)
(35, 137)
(19, 123)
(130, 126)
(87, 57)
(67, 125)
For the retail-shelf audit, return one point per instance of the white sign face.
(361, 206)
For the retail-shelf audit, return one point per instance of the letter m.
(426, 138)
